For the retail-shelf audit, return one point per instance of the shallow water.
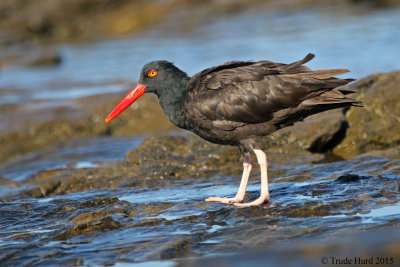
(168, 221)
(79, 153)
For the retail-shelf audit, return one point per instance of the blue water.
(365, 43)
(79, 153)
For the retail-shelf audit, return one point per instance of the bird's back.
(240, 100)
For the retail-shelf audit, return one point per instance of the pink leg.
(247, 165)
(264, 193)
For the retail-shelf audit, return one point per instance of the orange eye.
(152, 73)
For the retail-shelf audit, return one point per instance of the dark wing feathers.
(238, 93)
(199, 79)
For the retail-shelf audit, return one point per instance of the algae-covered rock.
(376, 126)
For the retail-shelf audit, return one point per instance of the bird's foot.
(258, 201)
(226, 200)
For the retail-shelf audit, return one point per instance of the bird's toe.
(256, 202)
(225, 200)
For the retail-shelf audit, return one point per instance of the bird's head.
(156, 77)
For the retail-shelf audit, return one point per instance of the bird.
(239, 102)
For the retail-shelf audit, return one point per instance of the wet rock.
(73, 180)
(181, 157)
(91, 216)
(46, 189)
(350, 178)
(375, 126)
(171, 250)
(101, 224)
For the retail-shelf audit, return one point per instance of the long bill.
(136, 92)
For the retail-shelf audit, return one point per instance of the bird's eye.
(152, 73)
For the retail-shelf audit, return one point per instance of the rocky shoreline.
(333, 175)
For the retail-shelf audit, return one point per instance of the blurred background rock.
(41, 21)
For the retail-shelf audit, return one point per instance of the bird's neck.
(172, 102)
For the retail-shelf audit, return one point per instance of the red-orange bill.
(136, 92)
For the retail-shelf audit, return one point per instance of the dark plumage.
(240, 101)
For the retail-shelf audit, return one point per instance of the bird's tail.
(328, 100)
(333, 99)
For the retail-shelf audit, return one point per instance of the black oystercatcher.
(238, 102)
